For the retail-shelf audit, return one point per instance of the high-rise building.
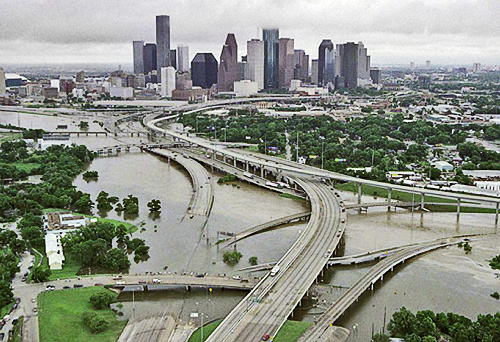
(243, 73)
(2, 82)
(149, 58)
(350, 65)
(363, 62)
(255, 60)
(286, 62)
(173, 58)
(301, 66)
(376, 75)
(428, 64)
(138, 50)
(66, 84)
(183, 58)
(326, 58)
(204, 70)
(412, 66)
(228, 66)
(314, 71)
(476, 67)
(271, 57)
(162, 41)
(80, 77)
(167, 81)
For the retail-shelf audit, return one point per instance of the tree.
(116, 260)
(90, 175)
(95, 322)
(154, 205)
(84, 125)
(103, 203)
(6, 295)
(252, 260)
(402, 323)
(84, 204)
(101, 300)
(381, 338)
(40, 274)
(232, 258)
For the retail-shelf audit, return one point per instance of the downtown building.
(326, 62)
(182, 58)
(204, 70)
(354, 65)
(301, 66)
(255, 60)
(271, 58)
(163, 59)
(286, 62)
(228, 67)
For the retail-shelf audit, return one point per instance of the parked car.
(50, 287)
(2, 335)
(77, 285)
(18, 300)
(265, 337)
(199, 275)
(66, 287)
(14, 321)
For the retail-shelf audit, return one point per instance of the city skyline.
(447, 32)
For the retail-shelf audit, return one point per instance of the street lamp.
(322, 149)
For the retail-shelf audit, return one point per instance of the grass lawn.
(25, 166)
(131, 228)
(18, 330)
(207, 331)
(289, 332)
(38, 257)
(60, 317)
(7, 136)
(70, 270)
(290, 196)
(6, 309)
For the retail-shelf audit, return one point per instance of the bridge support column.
(458, 209)
(422, 201)
(496, 213)
(359, 193)
(389, 195)
(234, 162)
(247, 166)
(261, 171)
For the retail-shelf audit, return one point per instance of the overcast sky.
(394, 31)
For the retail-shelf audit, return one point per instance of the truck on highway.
(273, 184)
(248, 175)
(275, 270)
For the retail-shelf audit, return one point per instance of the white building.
(47, 141)
(255, 60)
(183, 58)
(245, 88)
(54, 251)
(2, 82)
(167, 81)
(443, 166)
(71, 220)
(121, 92)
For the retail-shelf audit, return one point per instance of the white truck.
(248, 175)
(275, 270)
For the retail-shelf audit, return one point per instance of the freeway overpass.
(282, 166)
(320, 331)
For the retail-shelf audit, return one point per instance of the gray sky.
(394, 31)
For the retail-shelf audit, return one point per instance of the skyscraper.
(173, 58)
(255, 60)
(314, 71)
(2, 82)
(138, 49)
(271, 57)
(162, 41)
(167, 81)
(204, 70)
(183, 58)
(301, 66)
(350, 65)
(428, 64)
(149, 57)
(363, 62)
(326, 58)
(286, 62)
(228, 67)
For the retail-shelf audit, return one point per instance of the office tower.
(363, 62)
(80, 77)
(376, 75)
(255, 60)
(350, 65)
(314, 71)
(286, 62)
(149, 58)
(183, 58)
(204, 70)
(162, 41)
(476, 67)
(138, 50)
(2, 82)
(271, 57)
(326, 58)
(173, 58)
(167, 81)
(339, 52)
(243, 73)
(66, 84)
(301, 66)
(228, 67)
(428, 64)
(183, 80)
(412, 66)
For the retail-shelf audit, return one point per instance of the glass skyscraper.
(271, 57)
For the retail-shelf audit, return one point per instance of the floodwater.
(442, 280)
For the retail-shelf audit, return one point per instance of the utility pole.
(297, 148)
(265, 145)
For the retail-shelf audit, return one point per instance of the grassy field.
(26, 166)
(70, 270)
(10, 136)
(38, 257)
(60, 317)
(290, 196)
(289, 332)
(18, 330)
(6, 309)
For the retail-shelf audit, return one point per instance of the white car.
(236, 277)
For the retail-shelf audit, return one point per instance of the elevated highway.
(203, 193)
(321, 330)
(263, 227)
(273, 300)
